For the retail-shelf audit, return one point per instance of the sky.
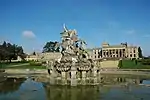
(32, 23)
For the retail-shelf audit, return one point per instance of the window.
(104, 53)
(134, 55)
(107, 53)
(117, 51)
(130, 55)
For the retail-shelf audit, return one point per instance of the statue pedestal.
(73, 76)
(63, 76)
(95, 77)
(52, 79)
(84, 77)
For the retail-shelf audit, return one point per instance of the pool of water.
(111, 88)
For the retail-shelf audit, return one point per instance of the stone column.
(109, 53)
(122, 52)
(63, 76)
(73, 74)
(73, 77)
(95, 73)
(52, 75)
(84, 77)
(118, 53)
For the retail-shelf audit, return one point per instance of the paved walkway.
(18, 65)
(44, 71)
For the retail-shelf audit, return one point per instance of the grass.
(20, 66)
(12, 63)
(131, 64)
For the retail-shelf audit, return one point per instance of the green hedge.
(144, 61)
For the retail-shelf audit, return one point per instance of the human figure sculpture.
(72, 47)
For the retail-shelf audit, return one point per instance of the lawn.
(21, 66)
(132, 64)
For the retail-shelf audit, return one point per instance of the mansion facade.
(108, 51)
(105, 52)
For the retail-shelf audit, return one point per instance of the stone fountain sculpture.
(73, 67)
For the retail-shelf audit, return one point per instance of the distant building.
(43, 56)
(49, 56)
(31, 58)
(108, 51)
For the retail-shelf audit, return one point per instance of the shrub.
(145, 61)
(44, 62)
(120, 64)
(136, 62)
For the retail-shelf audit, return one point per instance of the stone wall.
(49, 56)
(109, 64)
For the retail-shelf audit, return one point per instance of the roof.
(97, 48)
(132, 46)
(114, 46)
(91, 49)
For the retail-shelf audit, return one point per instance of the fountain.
(74, 67)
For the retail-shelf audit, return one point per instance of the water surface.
(112, 87)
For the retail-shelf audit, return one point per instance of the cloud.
(28, 34)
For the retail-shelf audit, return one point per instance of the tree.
(4, 45)
(20, 52)
(9, 51)
(140, 52)
(34, 53)
(50, 47)
(3, 51)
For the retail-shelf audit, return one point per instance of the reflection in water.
(22, 89)
(8, 86)
(72, 93)
(120, 80)
(112, 88)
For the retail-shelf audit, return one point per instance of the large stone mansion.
(108, 51)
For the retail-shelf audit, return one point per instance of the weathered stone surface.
(74, 62)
